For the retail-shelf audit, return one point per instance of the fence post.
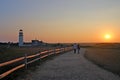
(48, 53)
(54, 51)
(39, 55)
(25, 61)
(64, 49)
(61, 50)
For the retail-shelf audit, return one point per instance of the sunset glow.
(107, 36)
(66, 21)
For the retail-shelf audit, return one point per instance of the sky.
(60, 21)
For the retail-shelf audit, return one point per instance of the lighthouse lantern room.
(20, 37)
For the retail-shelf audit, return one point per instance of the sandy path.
(69, 66)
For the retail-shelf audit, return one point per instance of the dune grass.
(16, 52)
(107, 58)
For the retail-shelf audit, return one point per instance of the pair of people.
(76, 48)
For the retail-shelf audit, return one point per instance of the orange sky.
(60, 20)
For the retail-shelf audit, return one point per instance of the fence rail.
(39, 56)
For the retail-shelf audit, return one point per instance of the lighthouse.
(20, 37)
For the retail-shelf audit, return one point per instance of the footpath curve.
(69, 66)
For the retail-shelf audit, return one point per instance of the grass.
(107, 58)
(7, 54)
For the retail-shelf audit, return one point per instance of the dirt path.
(69, 66)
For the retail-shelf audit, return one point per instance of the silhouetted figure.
(78, 48)
(75, 47)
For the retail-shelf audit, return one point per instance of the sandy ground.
(69, 66)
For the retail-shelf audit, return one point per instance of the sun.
(107, 36)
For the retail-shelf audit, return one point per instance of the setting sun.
(107, 36)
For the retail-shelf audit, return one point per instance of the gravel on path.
(69, 66)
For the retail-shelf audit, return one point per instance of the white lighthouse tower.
(20, 37)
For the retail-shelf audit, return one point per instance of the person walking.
(75, 47)
(78, 48)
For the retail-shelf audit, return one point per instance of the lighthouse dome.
(21, 30)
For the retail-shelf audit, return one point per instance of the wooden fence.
(39, 56)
